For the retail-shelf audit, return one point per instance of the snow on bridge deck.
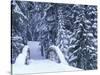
(35, 50)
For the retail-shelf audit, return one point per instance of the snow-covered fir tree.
(84, 44)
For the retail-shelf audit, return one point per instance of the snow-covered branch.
(45, 11)
(18, 10)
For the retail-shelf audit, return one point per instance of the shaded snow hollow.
(37, 63)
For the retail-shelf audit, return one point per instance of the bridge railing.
(55, 54)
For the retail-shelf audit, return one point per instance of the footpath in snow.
(35, 50)
(37, 63)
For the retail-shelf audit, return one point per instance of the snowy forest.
(71, 27)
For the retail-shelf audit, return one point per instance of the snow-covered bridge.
(37, 63)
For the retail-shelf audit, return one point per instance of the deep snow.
(21, 57)
(40, 65)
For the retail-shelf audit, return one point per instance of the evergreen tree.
(84, 44)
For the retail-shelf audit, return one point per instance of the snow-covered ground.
(41, 66)
(37, 63)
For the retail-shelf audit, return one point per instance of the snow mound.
(42, 66)
(60, 54)
(20, 60)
